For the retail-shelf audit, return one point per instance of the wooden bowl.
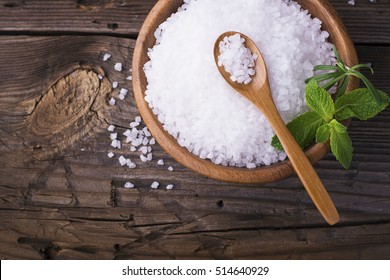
(161, 11)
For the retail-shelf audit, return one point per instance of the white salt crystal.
(149, 156)
(237, 59)
(137, 142)
(160, 162)
(100, 76)
(145, 141)
(170, 168)
(113, 136)
(351, 2)
(133, 149)
(106, 56)
(209, 118)
(116, 144)
(128, 185)
(250, 165)
(111, 128)
(138, 119)
(146, 132)
(121, 96)
(152, 141)
(123, 91)
(134, 124)
(118, 66)
(132, 165)
(143, 158)
(122, 160)
(143, 150)
(110, 154)
(169, 187)
(149, 149)
(115, 84)
(130, 78)
(112, 101)
(155, 185)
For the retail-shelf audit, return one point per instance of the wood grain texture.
(64, 199)
(367, 22)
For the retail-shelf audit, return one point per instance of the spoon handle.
(301, 164)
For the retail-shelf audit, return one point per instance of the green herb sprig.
(341, 75)
(322, 123)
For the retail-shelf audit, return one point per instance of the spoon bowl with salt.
(257, 90)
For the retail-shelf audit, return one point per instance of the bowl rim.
(263, 174)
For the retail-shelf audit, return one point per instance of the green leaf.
(325, 76)
(369, 85)
(325, 67)
(340, 143)
(323, 134)
(331, 83)
(338, 57)
(360, 104)
(303, 129)
(319, 101)
(362, 66)
(342, 88)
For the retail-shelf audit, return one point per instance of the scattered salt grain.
(169, 187)
(100, 76)
(152, 141)
(143, 158)
(149, 157)
(121, 96)
(207, 118)
(106, 56)
(250, 165)
(133, 149)
(351, 2)
(155, 185)
(124, 91)
(113, 136)
(122, 160)
(170, 168)
(118, 66)
(149, 149)
(112, 101)
(130, 78)
(134, 124)
(138, 119)
(143, 150)
(116, 144)
(128, 185)
(110, 154)
(160, 162)
(115, 84)
(111, 128)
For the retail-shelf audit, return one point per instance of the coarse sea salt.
(198, 108)
(118, 66)
(237, 60)
(106, 56)
(128, 185)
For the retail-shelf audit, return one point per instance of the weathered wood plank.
(74, 16)
(64, 198)
(367, 22)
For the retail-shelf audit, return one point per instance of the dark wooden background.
(62, 198)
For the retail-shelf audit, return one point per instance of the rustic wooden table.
(61, 197)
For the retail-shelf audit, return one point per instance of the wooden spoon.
(259, 93)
